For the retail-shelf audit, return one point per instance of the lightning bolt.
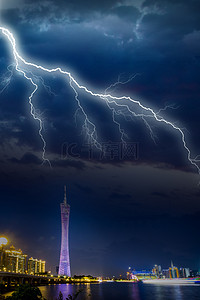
(91, 133)
(108, 98)
(46, 87)
(17, 57)
(120, 81)
(115, 111)
(6, 78)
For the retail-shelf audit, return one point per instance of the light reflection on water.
(164, 292)
(51, 292)
(122, 291)
(135, 291)
(178, 293)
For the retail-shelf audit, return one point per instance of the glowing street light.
(3, 241)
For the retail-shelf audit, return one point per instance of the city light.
(3, 241)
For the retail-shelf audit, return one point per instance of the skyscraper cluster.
(171, 272)
(158, 272)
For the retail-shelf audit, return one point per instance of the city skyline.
(14, 261)
(133, 192)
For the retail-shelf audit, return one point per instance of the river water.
(123, 291)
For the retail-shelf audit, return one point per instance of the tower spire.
(64, 264)
(65, 197)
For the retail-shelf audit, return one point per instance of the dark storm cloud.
(79, 4)
(160, 16)
(76, 164)
(27, 158)
(67, 11)
(77, 7)
(163, 52)
(172, 23)
(166, 72)
(194, 4)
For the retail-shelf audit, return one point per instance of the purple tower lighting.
(64, 265)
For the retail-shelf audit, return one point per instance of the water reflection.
(87, 290)
(100, 291)
(122, 291)
(135, 291)
(159, 292)
(178, 292)
(51, 292)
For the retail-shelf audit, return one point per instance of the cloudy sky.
(134, 205)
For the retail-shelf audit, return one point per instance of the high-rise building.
(12, 260)
(173, 271)
(36, 266)
(184, 272)
(32, 266)
(157, 270)
(64, 265)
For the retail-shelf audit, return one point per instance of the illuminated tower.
(173, 271)
(64, 265)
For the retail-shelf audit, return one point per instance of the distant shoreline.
(173, 281)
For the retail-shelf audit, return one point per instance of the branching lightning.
(115, 103)
(91, 133)
(120, 81)
(10, 37)
(6, 78)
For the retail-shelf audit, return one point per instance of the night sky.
(126, 210)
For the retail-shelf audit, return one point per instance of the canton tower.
(64, 265)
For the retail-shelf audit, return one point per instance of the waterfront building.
(142, 273)
(157, 271)
(129, 274)
(36, 266)
(184, 272)
(1, 258)
(64, 265)
(12, 260)
(173, 271)
(187, 272)
(165, 273)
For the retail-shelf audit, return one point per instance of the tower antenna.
(65, 197)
